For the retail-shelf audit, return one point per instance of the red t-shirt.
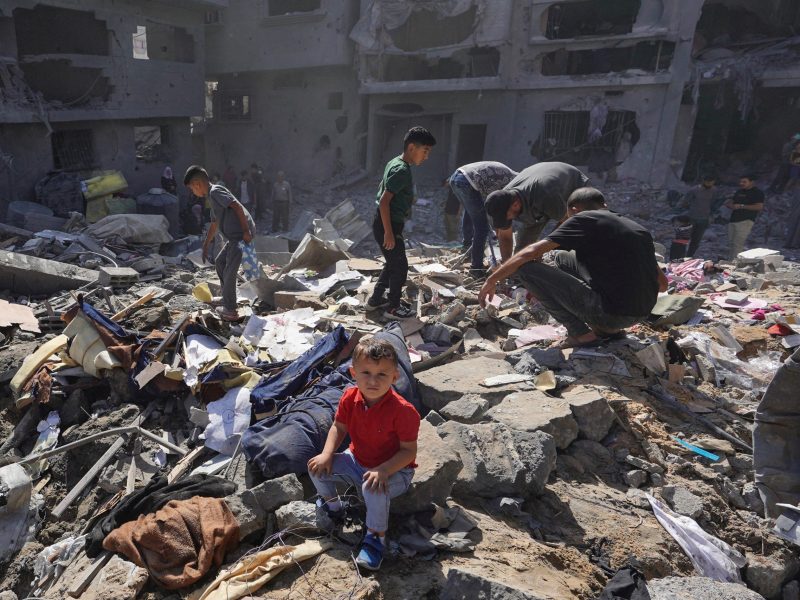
(376, 432)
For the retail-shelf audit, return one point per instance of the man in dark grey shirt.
(235, 225)
(538, 194)
(701, 201)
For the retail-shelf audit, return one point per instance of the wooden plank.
(133, 306)
(79, 585)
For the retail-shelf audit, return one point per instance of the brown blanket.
(179, 543)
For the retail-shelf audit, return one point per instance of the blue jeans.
(475, 224)
(347, 470)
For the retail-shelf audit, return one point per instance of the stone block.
(591, 412)
(438, 466)
(683, 501)
(252, 506)
(450, 382)
(536, 411)
(498, 460)
(635, 478)
(287, 300)
(767, 574)
(302, 515)
(29, 275)
(466, 585)
(467, 409)
(119, 579)
(696, 588)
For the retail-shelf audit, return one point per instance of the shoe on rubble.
(371, 554)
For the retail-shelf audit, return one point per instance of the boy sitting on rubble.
(395, 196)
(383, 430)
(235, 225)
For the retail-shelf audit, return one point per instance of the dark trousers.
(698, 229)
(565, 293)
(280, 216)
(227, 264)
(395, 271)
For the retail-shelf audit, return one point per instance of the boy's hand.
(377, 480)
(388, 240)
(246, 237)
(320, 464)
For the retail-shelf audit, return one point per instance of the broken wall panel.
(53, 30)
(428, 29)
(277, 8)
(652, 57)
(60, 81)
(465, 63)
(591, 18)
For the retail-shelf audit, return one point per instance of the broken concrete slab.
(29, 275)
(498, 460)
(591, 412)
(288, 300)
(692, 588)
(467, 409)
(456, 379)
(438, 466)
(536, 411)
(465, 585)
(302, 515)
(119, 579)
(767, 574)
(252, 506)
(683, 501)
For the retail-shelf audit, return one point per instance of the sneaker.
(399, 312)
(227, 315)
(377, 303)
(371, 555)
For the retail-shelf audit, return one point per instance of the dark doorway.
(471, 143)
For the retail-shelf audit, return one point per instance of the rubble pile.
(151, 450)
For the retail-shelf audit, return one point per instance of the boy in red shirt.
(383, 430)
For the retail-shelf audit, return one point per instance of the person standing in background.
(168, 183)
(700, 200)
(281, 203)
(746, 203)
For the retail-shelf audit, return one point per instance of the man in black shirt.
(610, 281)
(746, 203)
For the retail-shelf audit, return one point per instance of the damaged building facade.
(282, 91)
(319, 87)
(90, 85)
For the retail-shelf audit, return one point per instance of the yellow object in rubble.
(104, 184)
(32, 363)
(87, 347)
(202, 292)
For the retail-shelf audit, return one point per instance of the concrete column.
(681, 69)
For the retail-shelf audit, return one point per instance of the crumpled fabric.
(180, 543)
(152, 497)
(451, 529)
(626, 584)
(254, 571)
(710, 556)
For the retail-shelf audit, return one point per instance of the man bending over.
(606, 277)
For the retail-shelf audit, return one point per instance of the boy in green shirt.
(395, 195)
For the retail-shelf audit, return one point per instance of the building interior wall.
(312, 130)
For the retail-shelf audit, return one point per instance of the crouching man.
(606, 277)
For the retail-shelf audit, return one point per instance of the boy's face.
(418, 154)
(374, 377)
(199, 187)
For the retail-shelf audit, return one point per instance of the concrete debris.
(543, 449)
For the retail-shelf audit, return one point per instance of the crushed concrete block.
(640, 463)
(287, 300)
(683, 501)
(302, 515)
(536, 411)
(117, 277)
(731, 493)
(252, 506)
(465, 585)
(452, 381)
(591, 412)
(656, 479)
(467, 409)
(434, 418)
(637, 498)
(752, 498)
(438, 466)
(694, 588)
(119, 579)
(635, 478)
(767, 574)
(498, 460)
(28, 275)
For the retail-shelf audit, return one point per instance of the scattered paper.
(228, 418)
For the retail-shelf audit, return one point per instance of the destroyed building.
(90, 85)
